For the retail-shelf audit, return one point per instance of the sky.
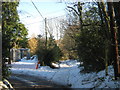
(33, 20)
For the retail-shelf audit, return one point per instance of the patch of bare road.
(29, 82)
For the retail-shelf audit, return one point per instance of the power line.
(38, 12)
(26, 17)
(47, 19)
(25, 10)
(37, 9)
(55, 11)
(39, 16)
(33, 23)
(55, 17)
(43, 18)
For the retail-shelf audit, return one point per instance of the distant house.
(18, 54)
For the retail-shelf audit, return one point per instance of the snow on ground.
(68, 74)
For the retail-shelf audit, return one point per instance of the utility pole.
(46, 32)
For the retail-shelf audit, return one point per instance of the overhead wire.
(34, 22)
(38, 12)
(42, 17)
(37, 9)
(43, 21)
(56, 17)
(26, 9)
(39, 16)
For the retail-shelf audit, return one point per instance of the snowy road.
(19, 81)
(68, 74)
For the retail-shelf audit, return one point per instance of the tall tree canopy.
(97, 40)
(13, 31)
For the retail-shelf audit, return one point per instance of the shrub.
(49, 54)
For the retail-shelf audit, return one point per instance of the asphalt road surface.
(28, 82)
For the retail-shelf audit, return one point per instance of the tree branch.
(91, 24)
(73, 10)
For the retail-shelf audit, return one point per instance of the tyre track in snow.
(19, 81)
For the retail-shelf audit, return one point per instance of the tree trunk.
(80, 15)
(117, 17)
(106, 56)
(104, 18)
(114, 39)
(100, 13)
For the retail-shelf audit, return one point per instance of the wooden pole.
(46, 33)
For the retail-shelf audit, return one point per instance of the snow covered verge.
(68, 74)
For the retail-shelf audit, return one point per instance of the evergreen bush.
(49, 54)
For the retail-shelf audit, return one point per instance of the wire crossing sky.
(32, 14)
